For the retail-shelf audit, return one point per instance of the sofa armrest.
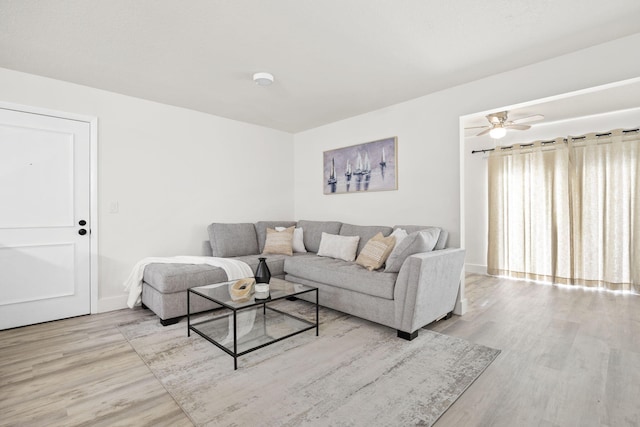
(427, 287)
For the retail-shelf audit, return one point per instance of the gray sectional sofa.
(424, 290)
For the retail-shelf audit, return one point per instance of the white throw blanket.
(235, 270)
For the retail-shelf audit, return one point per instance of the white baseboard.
(475, 268)
(112, 303)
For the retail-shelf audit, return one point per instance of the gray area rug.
(356, 373)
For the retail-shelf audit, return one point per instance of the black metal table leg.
(188, 313)
(317, 315)
(235, 342)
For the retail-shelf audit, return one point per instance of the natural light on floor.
(570, 287)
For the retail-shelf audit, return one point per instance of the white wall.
(428, 130)
(476, 191)
(171, 170)
(427, 169)
(429, 141)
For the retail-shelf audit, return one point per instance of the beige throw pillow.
(376, 251)
(298, 239)
(279, 242)
(340, 247)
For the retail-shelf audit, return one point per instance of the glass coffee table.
(245, 325)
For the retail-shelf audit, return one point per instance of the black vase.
(263, 275)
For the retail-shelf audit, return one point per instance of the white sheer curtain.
(606, 227)
(567, 212)
(529, 212)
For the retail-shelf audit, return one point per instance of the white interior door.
(44, 198)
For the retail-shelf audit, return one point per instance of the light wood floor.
(569, 358)
(80, 372)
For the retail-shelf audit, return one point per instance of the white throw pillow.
(400, 234)
(298, 239)
(340, 247)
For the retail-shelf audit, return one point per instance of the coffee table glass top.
(278, 289)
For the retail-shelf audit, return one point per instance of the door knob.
(82, 222)
(82, 232)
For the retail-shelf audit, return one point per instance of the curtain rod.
(551, 141)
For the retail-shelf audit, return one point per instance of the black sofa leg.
(167, 322)
(449, 315)
(144, 306)
(406, 335)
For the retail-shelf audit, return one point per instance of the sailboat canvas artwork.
(371, 166)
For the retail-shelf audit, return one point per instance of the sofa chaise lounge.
(422, 291)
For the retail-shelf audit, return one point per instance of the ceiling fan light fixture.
(499, 123)
(263, 79)
(497, 132)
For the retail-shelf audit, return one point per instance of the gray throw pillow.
(415, 243)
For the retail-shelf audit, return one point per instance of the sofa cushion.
(340, 247)
(274, 262)
(313, 232)
(169, 278)
(279, 242)
(229, 240)
(366, 232)
(415, 243)
(376, 251)
(442, 237)
(261, 230)
(342, 274)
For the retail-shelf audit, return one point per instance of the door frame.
(93, 185)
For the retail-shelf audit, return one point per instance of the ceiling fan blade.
(484, 132)
(477, 127)
(517, 127)
(528, 119)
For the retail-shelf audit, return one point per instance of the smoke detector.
(263, 79)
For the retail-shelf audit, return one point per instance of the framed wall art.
(371, 166)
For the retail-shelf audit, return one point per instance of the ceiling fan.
(499, 123)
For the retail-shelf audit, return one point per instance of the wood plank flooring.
(80, 372)
(569, 358)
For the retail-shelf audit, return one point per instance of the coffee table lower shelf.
(239, 331)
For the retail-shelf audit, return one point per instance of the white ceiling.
(332, 59)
